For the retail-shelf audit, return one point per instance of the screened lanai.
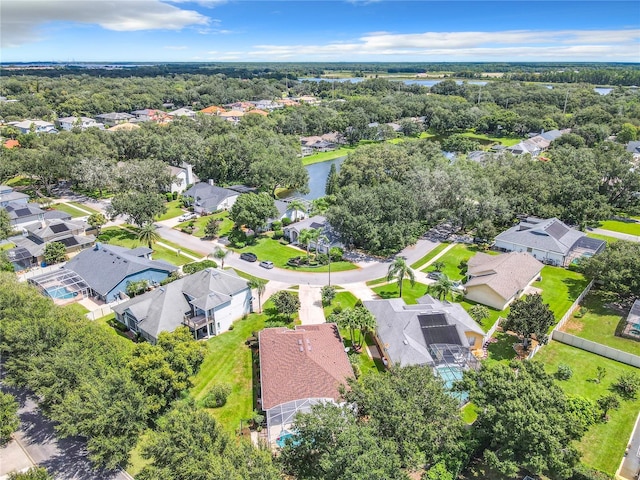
(63, 286)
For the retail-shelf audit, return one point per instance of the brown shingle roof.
(506, 274)
(308, 362)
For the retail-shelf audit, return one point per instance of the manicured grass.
(124, 238)
(453, 258)
(502, 350)
(604, 444)
(19, 181)
(560, 288)
(268, 249)
(343, 300)
(7, 246)
(494, 314)
(429, 256)
(469, 413)
(104, 323)
(410, 293)
(226, 225)
(77, 308)
(599, 324)
(631, 228)
(82, 206)
(70, 209)
(377, 281)
(229, 361)
(325, 156)
(482, 138)
(606, 238)
(245, 275)
(174, 209)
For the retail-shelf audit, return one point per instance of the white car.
(187, 216)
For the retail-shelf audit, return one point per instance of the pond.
(318, 174)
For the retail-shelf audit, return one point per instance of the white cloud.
(506, 45)
(21, 19)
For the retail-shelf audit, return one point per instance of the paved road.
(630, 467)
(621, 236)
(65, 459)
(370, 268)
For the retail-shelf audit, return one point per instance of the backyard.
(560, 288)
(604, 444)
(127, 238)
(599, 324)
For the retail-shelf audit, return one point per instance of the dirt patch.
(573, 325)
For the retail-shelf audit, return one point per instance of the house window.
(218, 325)
(529, 250)
(472, 341)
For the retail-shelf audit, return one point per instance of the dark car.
(435, 275)
(248, 256)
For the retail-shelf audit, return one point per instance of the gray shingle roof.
(106, 266)
(406, 331)
(17, 210)
(633, 146)
(163, 309)
(548, 235)
(208, 196)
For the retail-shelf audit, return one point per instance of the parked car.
(187, 216)
(266, 264)
(435, 275)
(248, 256)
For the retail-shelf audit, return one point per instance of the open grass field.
(268, 249)
(70, 209)
(429, 256)
(125, 238)
(606, 238)
(560, 288)
(174, 209)
(326, 156)
(486, 139)
(631, 227)
(82, 206)
(410, 293)
(453, 257)
(599, 324)
(604, 444)
(226, 225)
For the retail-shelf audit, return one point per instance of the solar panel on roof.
(557, 230)
(441, 334)
(59, 228)
(22, 212)
(68, 242)
(432, 320)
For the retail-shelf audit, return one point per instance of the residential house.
(183, 176)
(433, 333)
(537, 143)
(150, 115)
(11, 143)
(631, 328)
(316, 144)
(497, 280)
(208, 302)
(124, 127)
(232, 115)
(285, 211)
(114, 118)
(71, 233)
(212, 110)
(69, 123)
(24, 213)
(183, 112)
(309, 100)
(9, 195)
(633, 147)
(240, 106)
(208, 198)
(103, 272)
(257, 111)
(548, 240)
(299, 367)
(35, 126)
(288, 102)
(266, 105)
(292, 233)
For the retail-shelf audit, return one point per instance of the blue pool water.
(451, 375)
(282, 439)
(61, 292)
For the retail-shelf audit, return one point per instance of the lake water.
(318, 173)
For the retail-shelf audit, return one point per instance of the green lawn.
(377, 281)
(631, 228)
(502, 350)
(105, 321)
(453, 258)
(325, 156)
(174, 209)
(410, 293)
(560, 288)
(469, 413)
(343, 299)
(70, 209)
(229, 360)
(77, 308)
(482, 138)
(124, 238)
(487, 323)
(268, 249)
(606, 238)
(599, 324)
(429, 256)
(245, 275)
(82, 206)
(604, 444)
(226, 225)
(7, 246)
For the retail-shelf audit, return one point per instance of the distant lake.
(318, 174)
(424, 83)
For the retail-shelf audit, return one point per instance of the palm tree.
(296, 206)
(148, 234)
(220, 254)
(366, 322)
(347, 319)
(442, 287)
(308, 236)
(259, 285)
(400, 270)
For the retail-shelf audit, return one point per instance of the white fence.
(597, 348)
(103, 310)
(492, 330)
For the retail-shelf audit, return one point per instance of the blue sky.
(349, 30)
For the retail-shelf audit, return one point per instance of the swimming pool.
(450, 375)
(286, 435)
(61, 292)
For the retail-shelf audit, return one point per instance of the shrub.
(276, 225)
(174, 195)
(286, 221)
(564, 372)
(277, 234)
(627, 385)
(194, 267)
(168, 196)
(322, 259)
(336, 254)
(580, 313)
(240, 244)
(582, 472)
(337, 309)
(217, 396)
(327, 293)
